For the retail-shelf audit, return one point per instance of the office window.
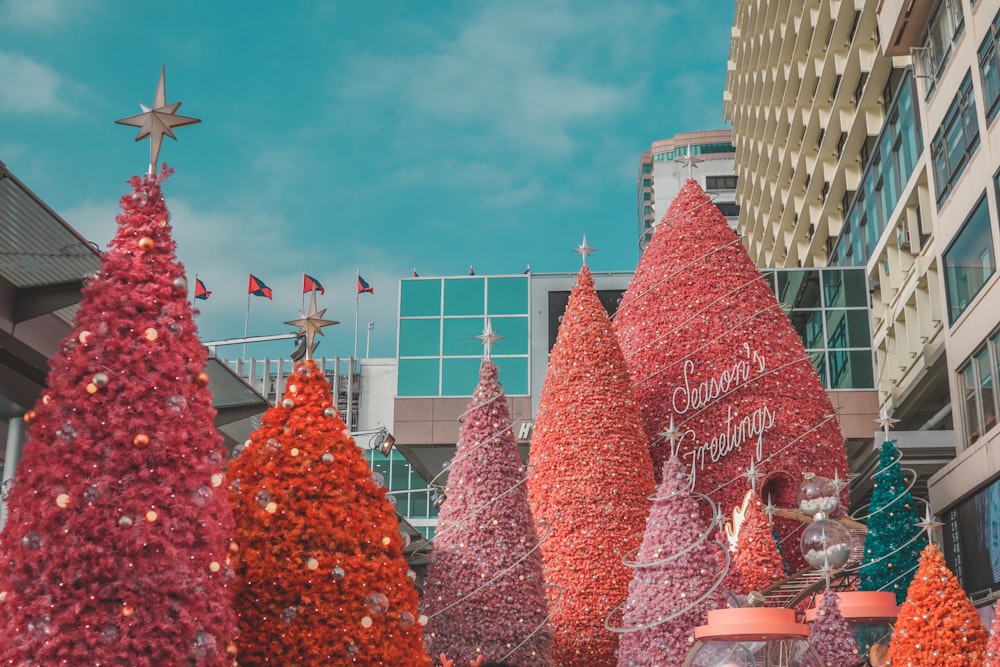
(418, 377)
(464, 296)
(720, 182)
(969, 261)
(978, 395)
(729, 209)
(507, 296)
(515, 336)
(460, 336)
(420, 338)
(989, 68)
(460, 376)
(420, 298)
(943, 31)
(955, 140)
(513, 374)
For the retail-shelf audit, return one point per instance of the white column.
(15, 438)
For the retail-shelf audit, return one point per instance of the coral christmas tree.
(757, 554)
(708, 346)
(485, 592)
(892, 544)
(676, 579)
(831, 635)
(592, 478)
(321, 577)
(993, 645)
(115, 547)
(937, 625)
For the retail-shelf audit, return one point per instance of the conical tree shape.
(993, 646)
(680, 579)
(485, 592)
(937, 625)
(592, 478)
(321, 578)
(892, 543)
(831, 636)
(757, 554)
(115, 545)
(708, 346)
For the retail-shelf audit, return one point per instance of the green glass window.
(513, 374)
(420, 338)
(851, 369)
(969, 261)
(845, 288)
(460, 336)
(464, 296)
(515, 335)
(459, 377)
(419, 298)
(808, 325)
(507, 296)
(418, 377)
(984, 371)
(799, 288)
(847, 328)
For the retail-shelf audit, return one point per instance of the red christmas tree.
(937, 625)
(676, 580)
(117, 536)
(485, 593)
(709, 348)
(831, 635)
(757, 554)
(592, 478)
(321, 577)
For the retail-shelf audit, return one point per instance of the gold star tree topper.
(157, 121)
(311, 323)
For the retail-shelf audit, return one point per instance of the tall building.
(704, 156)
(865, 136)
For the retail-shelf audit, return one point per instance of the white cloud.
(28, 86)
(40, 13)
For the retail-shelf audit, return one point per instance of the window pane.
(460, 336)
(419, 297)
(971, 405)
(420, 338)
(513, 374)
(851, 369)
(508, 296)
(969, 261)
(845, 288)
(809, 326)
(799, 288)
(515, 335)
(418, 377)
(464, 296)
(985, 373)
(459, 377)
(848, 328)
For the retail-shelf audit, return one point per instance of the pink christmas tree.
(710, 350)
(592, 478)
(676, 581)
(114, 552)
(831, 635)
(757, 554)
(485, 592)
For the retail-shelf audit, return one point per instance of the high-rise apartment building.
(866, 136)
(704, 156)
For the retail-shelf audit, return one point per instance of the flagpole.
(357, 294)
(246, 327)
(303, 306)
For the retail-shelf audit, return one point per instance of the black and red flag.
(200, 292)
(257, 287)
(309, 283)
(363, 286)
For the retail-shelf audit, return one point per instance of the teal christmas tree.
(893, 544)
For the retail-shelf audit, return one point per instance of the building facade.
(865, 136)
(705, 156)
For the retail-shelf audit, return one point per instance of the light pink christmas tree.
(757, 554)
(831, 635)
(485, 592)
(676, 578)
(592, 478)
(710, 350)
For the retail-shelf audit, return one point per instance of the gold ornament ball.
(84, 337)
(62, 500)
(146, 244)
(214, 566)
(271, 507)
(201, 379)
(91, 388)
(127, 611)
(181, 284)
(151, 516)
(141, 440)
(150, 334)
(366, 621)
(29, 416)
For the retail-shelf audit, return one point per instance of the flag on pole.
(257, 287)
(415, 272)
(199, 290)
(363, 286)
(471, 272)
(310, 283)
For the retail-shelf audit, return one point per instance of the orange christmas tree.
(937, 625)
(993, 647)
(592, 478)
(321, 577)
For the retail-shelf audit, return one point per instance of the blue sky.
(378, 135)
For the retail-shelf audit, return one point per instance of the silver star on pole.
(753, 475)
(839, 484)
(928, 524)
(311, 323)
(674, 435)
(489, 338)
(157, 121)
(770, 507)
(689, 161)
(584, 250)
(885, 421)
